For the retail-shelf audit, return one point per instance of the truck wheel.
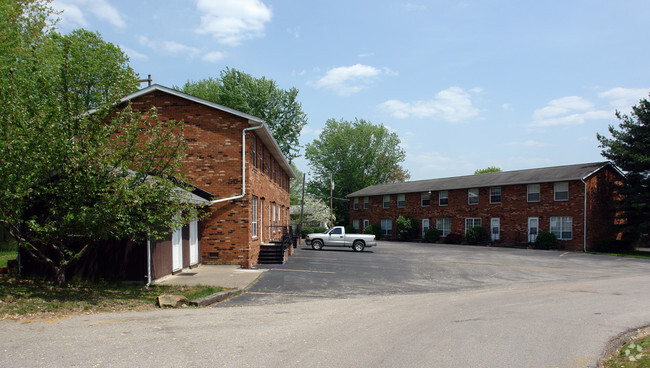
(317, 244)
(358, 246)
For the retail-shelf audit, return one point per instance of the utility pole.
(302, 201)
(331, 200)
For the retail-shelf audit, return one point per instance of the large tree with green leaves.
(260, 97)
(489, 169)
(72, 177)
(629, 149)
(357, 154)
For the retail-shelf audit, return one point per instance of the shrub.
(373, 229)
(476, 235)
(312, 229)
(546, 240)
(407, 228)
(626, 244)
(349, 229)
(432, 235)
(453, 238)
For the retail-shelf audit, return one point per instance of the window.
(366, 223)
(561, 227)
(356, 203)
(386, 201)
(561, 191)
(254, 151)
(444, 226)
(254, 214)
(425, 199)
(262, 157)
(336, 231)
(425, 226)
(443, 198)
(472, 196)
(386, 227)
(533, 193)
(401, 201)
(355, 224)
(365, 203)
(273, 216)
(471, 222)
(495, 195)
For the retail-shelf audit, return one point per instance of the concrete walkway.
(226, 276)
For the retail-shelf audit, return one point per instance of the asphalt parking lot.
(394, 268)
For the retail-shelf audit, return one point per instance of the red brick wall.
(214, 163)
(513, 211)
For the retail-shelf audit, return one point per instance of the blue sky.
(465, 84)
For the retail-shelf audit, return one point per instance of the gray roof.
(528, 176)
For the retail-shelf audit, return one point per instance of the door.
(194, 242)
(425, 226)
(336, 238)
(495, 228)
(533, 229)
(177, 249)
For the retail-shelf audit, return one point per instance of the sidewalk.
(226, 276)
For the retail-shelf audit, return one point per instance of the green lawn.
(8, 250)
(633, 354)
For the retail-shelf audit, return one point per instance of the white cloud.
(346, 80)
(452, 104)
(171, 47)
(213, 56)
(73, 12)
(570, 110)
(528, 143)
(133, 54)
(624, 98)
(233, 21)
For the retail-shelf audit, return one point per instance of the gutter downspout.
(584, 220)
(243, 168)
(148, 261)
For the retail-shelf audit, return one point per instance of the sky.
(464, 84)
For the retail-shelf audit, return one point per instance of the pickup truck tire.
(316, 244)
(358, 246)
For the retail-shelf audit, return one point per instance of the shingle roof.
(528, 176)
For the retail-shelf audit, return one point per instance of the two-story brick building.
(233, 157)
(514, 206)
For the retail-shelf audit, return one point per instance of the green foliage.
(357, 154)
(626, 244)
(546, 240)
(349, 229)
(260, 97)
(629, 149)
(295, 190)
(315, 212)
(476, 235)
(407, 228)
(373, 229)
(453, 238)
(432, 235)
(489, 169)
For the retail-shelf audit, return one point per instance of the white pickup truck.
(336, 237)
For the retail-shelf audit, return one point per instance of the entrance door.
(177, 249)
(425, 226)
(194, 242)
(495, 228)
(533, 229)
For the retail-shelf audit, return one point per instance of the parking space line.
(564, 254)
(290, 270)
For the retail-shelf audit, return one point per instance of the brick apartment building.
(247, 184)
(569, 201)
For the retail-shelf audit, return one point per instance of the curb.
(215, 298)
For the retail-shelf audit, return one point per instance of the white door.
(425, 226)
(177, 249)
(194, 242)
(533, 229)
(495, 228)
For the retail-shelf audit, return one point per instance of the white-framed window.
(401, 200)
(355, 224)
(365, 203)
(254, 214)
(532, 193)
(386, 227)
(443, 198)
(425, 199)
(356, 203)
(254, 150)
(277, 209)
(444, 226)
(471, 222)
(495, 195)
(562, 226)
(472, 196)
(386, 201)
(366, 223)
(425, 226)
(561, 191)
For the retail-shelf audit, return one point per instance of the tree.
(315, 212)
(357, 154)
(260, 97)
(70, 177)
(629, 149)
(489, 169)
(295, 190)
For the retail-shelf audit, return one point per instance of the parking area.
(409, 268)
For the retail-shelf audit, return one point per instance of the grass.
(633, 354)
(39, 299)
(8, 251)
(634, 253)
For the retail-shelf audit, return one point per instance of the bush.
(312, 229)
(476, 235)
(626, 244)
(407, 228)
(453, 238)
(546, 240)
(349, 229)
(432, 235)
(373, 229)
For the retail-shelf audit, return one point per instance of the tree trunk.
(59, 276)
